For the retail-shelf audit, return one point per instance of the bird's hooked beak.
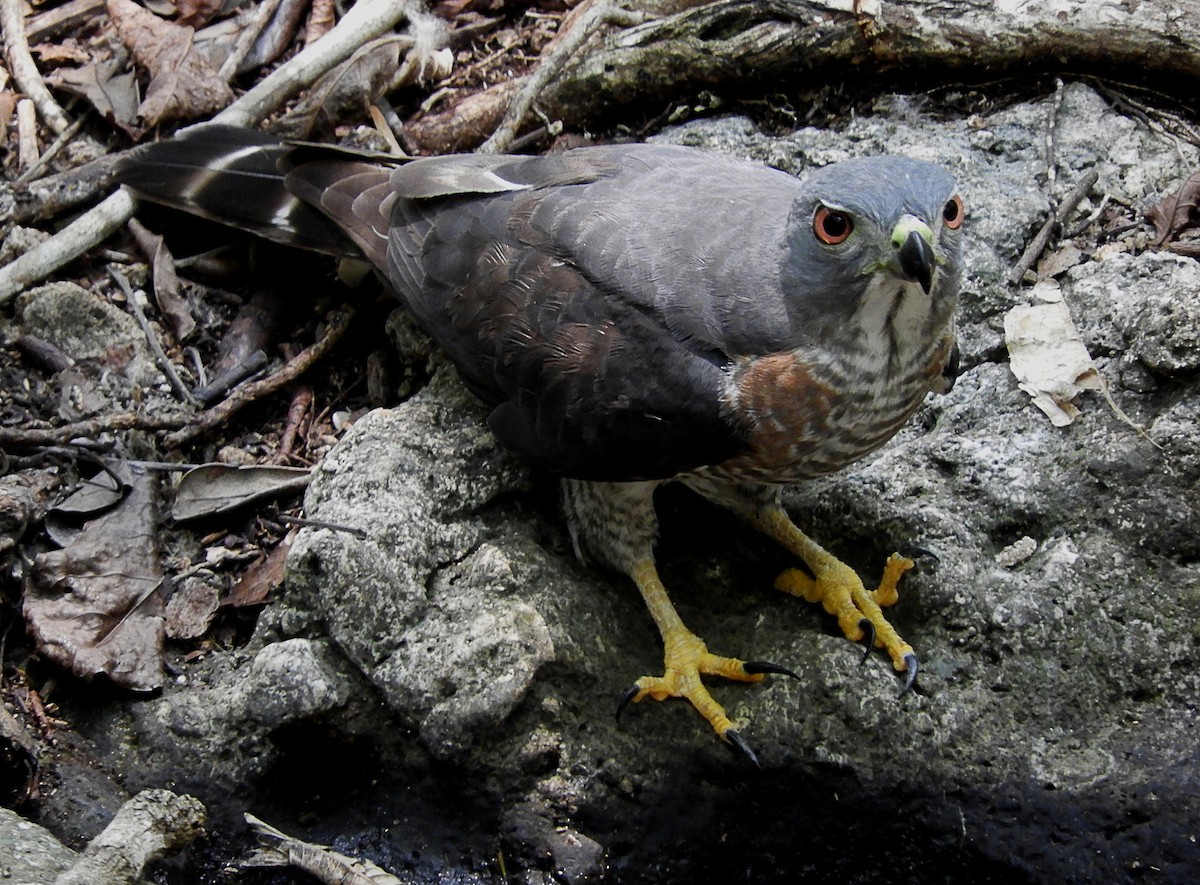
(913, 240)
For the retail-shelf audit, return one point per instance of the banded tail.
(314, 197)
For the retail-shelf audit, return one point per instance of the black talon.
(869, 629)
(916, 551)
(625, 701)
(756, 667)
(740, 742)
(911, 666)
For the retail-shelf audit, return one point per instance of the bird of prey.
(639, 314)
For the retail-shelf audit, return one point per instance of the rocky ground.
(437, 695)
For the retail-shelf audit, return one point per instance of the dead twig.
(1155, 119)
(1035, 249)
(136, 299)
(49, 355)
(53, 22)
(246, 39)
(298, 415)
(90, 428)
(148, 826)
(64, 138)
(27, 135)
(1052, 138)
(235, 374)
(24, 72)
(339, 321)
(85, 232)
(599, 16)
(305, 522)
(365, 21)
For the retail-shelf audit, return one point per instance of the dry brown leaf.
(262, 578)
(277, 36)
(216, 488)
(321, 20)
(110, 88)
(8, 105)
(58, 53)
(95, 606)
(1176, 212)
(172, 305)
(94, 496)
(198, 13)
(1059, 262)
(183, 85)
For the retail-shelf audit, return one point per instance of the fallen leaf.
(348, 88)
(198, 13)
(216, 488)
(277, 36)
(1176, 212)
(93, 496)
(56, 54)
(172, 305)
(8, 106)
(110, 88)
(95, 606)
(262, 577)
(183, 84)
(1048, 356)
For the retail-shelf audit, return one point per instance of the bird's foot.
(858, 610)
(686, 660)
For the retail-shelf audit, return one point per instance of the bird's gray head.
(873, 228)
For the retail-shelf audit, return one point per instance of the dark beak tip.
(916, 260)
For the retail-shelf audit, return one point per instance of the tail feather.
(250, 180)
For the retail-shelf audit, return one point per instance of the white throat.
(893, 319)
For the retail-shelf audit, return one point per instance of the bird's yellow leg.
(687, 658)
(839, 589)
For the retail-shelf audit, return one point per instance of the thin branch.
(246, 39)
(599, 16)
(366, 20)
(24, 71)
(137, 302)
(339, 321)
(85, 232)
(90, 428)
(1030, 256)
(64, 138)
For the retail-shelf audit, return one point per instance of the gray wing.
(695, 238)
(597, 296)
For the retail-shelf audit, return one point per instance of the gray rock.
(226, 714)
(96, 332)
(29, 854)
(424, 605)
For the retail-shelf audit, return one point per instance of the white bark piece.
(1048, 356)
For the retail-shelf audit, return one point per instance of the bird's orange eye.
(953, 213)
(832, 226)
